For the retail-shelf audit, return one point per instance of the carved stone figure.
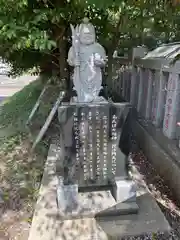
(88, 58)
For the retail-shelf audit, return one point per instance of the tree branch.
(57, 65)
(61, 35)
(115, 39)
(50, 54)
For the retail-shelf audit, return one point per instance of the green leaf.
(28, 43)
(30, 28)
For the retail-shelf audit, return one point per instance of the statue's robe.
(90, 75)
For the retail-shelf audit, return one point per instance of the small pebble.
(1, 197)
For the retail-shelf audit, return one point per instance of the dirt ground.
(160, 191)
(16, 184)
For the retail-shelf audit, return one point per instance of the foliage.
(36, 33)
(30, 31)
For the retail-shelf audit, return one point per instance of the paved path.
(9, 86)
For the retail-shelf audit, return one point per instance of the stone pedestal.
(124, 190)
(92, 158)
(67, 197)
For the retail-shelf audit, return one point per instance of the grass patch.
(20, 169)
(16, 109)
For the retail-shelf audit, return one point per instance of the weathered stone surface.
(88, 205)
(90, 138)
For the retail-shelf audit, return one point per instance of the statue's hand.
(99, 62)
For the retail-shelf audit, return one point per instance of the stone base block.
(119, 209)
(124, 190)
(72, 204)
(97, 99)
(67, 197)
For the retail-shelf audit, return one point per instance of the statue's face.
(87, 34)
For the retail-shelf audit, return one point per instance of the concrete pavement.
(9, 86)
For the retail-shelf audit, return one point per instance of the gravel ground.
(161, 192)
(20, 178)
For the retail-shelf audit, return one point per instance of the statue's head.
(87, 32)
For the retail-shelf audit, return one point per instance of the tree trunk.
(112, 48)
(63, 66)
(108, 74)
(110, 66)
(61, 34)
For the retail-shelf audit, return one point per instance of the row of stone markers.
(152, 85)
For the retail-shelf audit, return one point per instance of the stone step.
(118, 210)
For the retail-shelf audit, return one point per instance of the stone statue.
(88, 58)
